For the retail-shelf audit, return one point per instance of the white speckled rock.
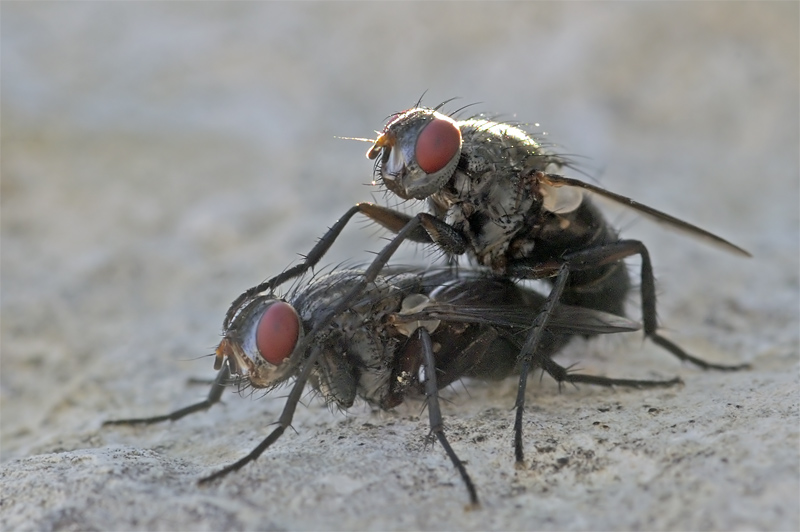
(159, 158)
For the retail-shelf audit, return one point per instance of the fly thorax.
(488, 203)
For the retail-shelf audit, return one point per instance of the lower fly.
(409, 333)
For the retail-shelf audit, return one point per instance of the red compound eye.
(277, 331)
(437, 144)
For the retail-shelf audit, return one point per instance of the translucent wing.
(655, 215)
(566, 319)
(500, 302)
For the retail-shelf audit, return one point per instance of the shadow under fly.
(409, 333)
(492, 198)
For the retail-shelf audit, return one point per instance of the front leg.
(222, 380)
(422, 228)
(309, 261)
(432, 230)
(388, 218)
(445, 236)
(409, 231)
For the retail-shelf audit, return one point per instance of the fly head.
(261, 343)
(419, 151)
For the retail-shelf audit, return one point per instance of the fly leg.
(432, 230)
(444, 235)
(562, 375)
(435, 413)
(626, 248)
(310, 260)
(388, 218)
(528, 355)
(284, 421)
(529, 358)
(583, 260)
(214, 395)
(610, 253)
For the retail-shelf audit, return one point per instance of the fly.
(408, 334)
(492, 196)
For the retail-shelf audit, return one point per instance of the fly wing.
(655, 215)
(565, 319)
(581, 320)
(497, 301)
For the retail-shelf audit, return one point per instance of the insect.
(409, 333)
(491, 197)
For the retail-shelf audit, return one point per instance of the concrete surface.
(159, 158)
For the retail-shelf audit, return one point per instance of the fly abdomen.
(599, 285)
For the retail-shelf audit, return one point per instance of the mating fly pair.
(410, 333)
(492, 197)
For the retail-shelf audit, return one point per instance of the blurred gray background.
(159, 158)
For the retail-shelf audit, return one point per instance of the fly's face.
(261, 343)
(419, 151)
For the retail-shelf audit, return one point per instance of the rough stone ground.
(159, 158)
